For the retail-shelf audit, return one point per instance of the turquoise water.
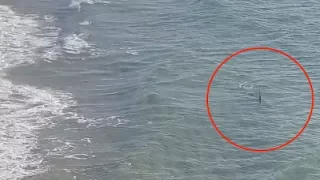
(96, 89)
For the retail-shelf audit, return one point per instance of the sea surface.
(115, 90)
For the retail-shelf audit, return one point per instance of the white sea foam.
(246, 85)
(76, 4)
(132, 51)
(88, 140)
(85, 23)
(114, 121)
(74, 44)
(78, 156)
(49, 18)
(50, 32)
(25, 109)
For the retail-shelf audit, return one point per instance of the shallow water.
(116, 89)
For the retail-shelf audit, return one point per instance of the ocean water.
(96, 89)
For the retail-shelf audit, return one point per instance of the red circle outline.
(274, 147)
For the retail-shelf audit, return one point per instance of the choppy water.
(95, 89)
